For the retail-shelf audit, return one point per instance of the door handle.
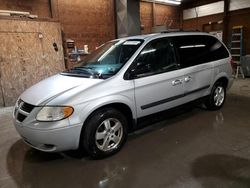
(176, 82)
(188, 78)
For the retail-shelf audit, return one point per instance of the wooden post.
(53, 7)
(225, 22)
(2, 102)
(153, 14)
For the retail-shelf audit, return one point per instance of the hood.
(48, 89)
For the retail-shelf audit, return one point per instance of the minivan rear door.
(197, 81)
(197, 54)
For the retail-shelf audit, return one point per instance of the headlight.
(54, 113)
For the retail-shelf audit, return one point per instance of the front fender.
(90, 107)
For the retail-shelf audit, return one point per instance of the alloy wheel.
(219, 96)
(109, 134)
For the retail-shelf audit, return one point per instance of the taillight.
(233, 65)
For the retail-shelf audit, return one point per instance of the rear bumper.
(54, 140)
(230, 82)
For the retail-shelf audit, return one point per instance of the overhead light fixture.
(173, 2)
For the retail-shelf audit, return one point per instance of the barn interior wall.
(240, 17)
(37, 7)
(166, 15)
(87, 22)
(234, 18)
(93, 23)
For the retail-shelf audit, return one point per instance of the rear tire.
(217, 98)
(105, 133)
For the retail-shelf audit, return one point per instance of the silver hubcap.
(219, 96)
(109, 134)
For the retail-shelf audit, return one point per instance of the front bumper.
(53, 140)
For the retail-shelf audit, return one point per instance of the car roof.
(163, 34)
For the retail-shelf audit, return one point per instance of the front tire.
(105, 133)
(217, 98)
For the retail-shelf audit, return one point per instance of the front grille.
(20, 117)
(27, 107)
(22, 110)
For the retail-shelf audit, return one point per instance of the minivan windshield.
(105, 61)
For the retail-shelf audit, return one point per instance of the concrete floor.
(197, 149)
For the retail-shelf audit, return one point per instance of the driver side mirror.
(139, 69)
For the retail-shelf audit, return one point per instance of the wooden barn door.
(27, 55)
(18, 54)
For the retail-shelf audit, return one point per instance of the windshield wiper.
(85, 70)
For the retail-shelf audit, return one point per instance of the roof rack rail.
(180, 30)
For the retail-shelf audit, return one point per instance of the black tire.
(211, 103)
(95, 123)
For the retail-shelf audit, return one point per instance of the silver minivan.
(94, 105)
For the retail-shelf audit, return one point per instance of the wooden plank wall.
(27, 55)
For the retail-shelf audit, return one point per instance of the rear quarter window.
(198, 49)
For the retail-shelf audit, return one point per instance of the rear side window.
(199, 49)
